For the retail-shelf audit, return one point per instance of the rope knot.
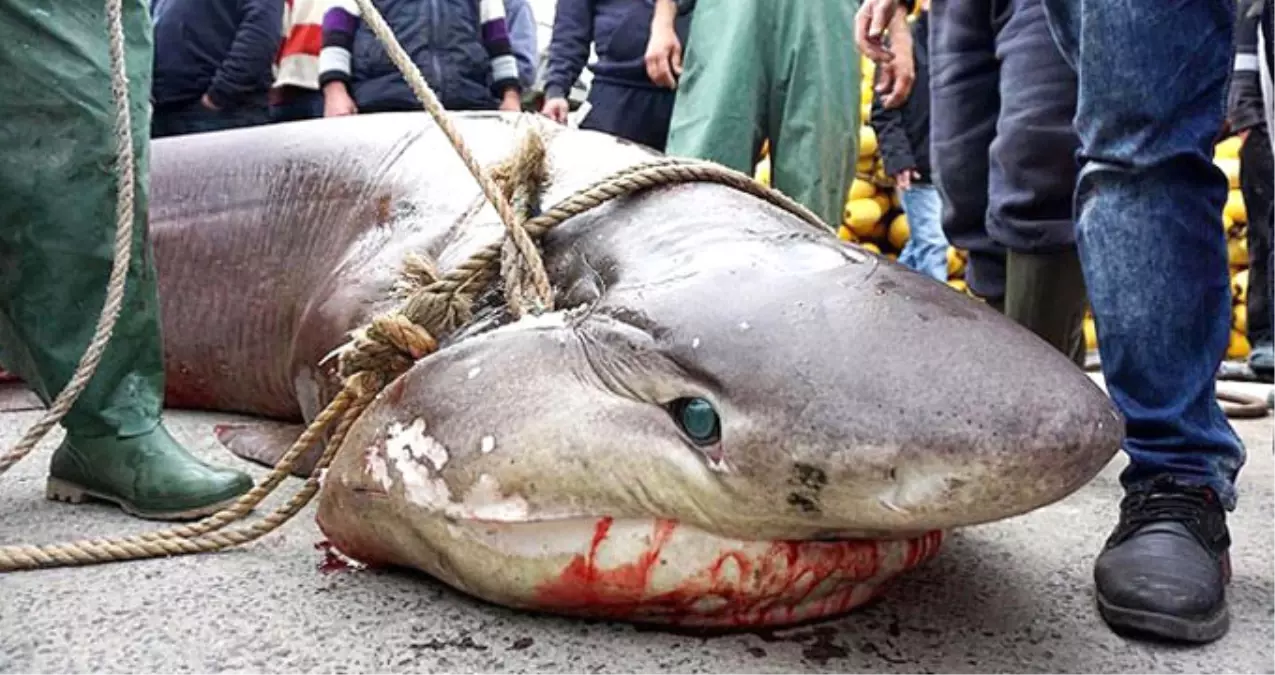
(388, 345)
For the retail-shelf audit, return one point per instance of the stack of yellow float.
(874, 219)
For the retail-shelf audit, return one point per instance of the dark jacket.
(1245, 106)
(223, 48)
(903, 133)
(619, 31)
(445, 39)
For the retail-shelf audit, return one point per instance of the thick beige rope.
(123, 249)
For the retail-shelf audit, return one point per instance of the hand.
(556, 109)
(511, 102)
(207, 102)
(870, 23)
(899, 73)
(337, 101)
(664, 58)
(905, 177)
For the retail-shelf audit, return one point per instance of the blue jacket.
(444, 38)
(619, 31)
(223, 48)
(523, 40)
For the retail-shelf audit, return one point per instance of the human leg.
(964, 106)
(717, 113)
(813, 103)
(58, 207)
(1256, 177)
(1032, 180)
(1151, 101)
(926, 250)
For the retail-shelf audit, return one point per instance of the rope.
(122, 253)
(391, 342)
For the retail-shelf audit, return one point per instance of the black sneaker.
(1164, 569)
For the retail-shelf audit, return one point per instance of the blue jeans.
(194, 118)
(1152, 98)
(926, 250)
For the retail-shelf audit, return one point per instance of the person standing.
(214, 63)
(1257, 183)
(1004, 152)
(295, 94)
(623, 99)
(903, 136)
(58, 206)
(786, 71)
(1152, 87)
(460, 46)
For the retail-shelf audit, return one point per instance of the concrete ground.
(1015, 596)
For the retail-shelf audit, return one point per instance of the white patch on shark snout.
(695, 343)
(489, 444)
(915, 488)
(743, 325)
(485, 501)
(405, 447)
(413, 440)
(473, 372)
(376, 466)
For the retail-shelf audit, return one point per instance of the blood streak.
(584, 584)
(785, 582)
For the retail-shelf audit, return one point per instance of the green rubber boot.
(149, 476)
(57, 226)
(1045, 292)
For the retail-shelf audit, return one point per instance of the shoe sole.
(1198, 631)
(59, 490)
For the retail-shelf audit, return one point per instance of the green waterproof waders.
(57, 227)
(787, 70)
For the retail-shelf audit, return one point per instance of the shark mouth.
(658, 571)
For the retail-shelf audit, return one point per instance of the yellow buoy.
(899, 232)
(862, 189)
(1230, 167)
(865, 165)
(1237, 251)
(955, 262)
(763, 172)
(1091, 333)
(958, 284)
(1239, 318)
(844, 234)
(883, 201)
(867, 141)
(861, 215)
(869, 246)
(1235, 207)
(1239, 287)
(1228, 149)
(1239, 347)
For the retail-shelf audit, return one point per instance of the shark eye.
(698, 419)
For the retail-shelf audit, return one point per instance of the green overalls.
(57, 226)
(787, 70)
